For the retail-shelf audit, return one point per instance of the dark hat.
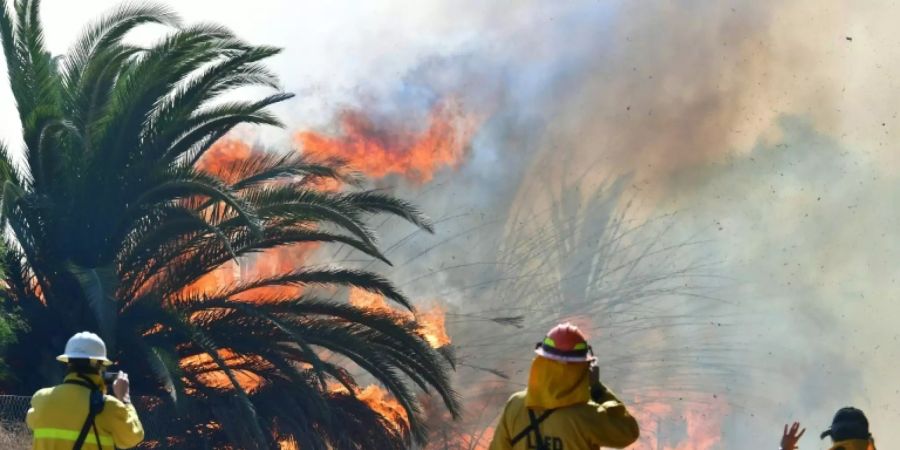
(848, 423)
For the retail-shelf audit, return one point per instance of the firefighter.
(849, 430)
(565, 406)
(76, 414)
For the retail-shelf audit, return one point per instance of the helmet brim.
(65, 359)
(561, 358)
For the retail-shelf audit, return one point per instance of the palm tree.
(113, 219)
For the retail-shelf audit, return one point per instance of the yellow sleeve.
(501, 439)
(32, 417)
(123, 423)
(612, 426)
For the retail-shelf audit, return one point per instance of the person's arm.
(32, 416)
(501, 439)
(124, 425)
(611, 424)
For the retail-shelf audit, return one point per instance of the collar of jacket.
(554, 384)
(96, 379)
(854, 444)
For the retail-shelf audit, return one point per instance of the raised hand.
(121, 387)
(595, 374)
(790, 437)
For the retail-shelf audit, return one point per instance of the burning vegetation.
(381, 402)
(245, 369)
(380, 151)
(431, 322)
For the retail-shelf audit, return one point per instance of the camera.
(109, 377)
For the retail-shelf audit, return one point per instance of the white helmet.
(85, 345)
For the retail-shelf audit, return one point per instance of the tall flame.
(431, 321)
(379, 152)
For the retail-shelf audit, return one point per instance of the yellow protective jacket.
(58, 413)
(854, 444)
(577, 422)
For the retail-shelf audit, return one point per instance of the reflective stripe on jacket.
(58, 413)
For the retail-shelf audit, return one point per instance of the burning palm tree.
(117, 225)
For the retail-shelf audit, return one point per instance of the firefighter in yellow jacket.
(565, 406)
(76, 414)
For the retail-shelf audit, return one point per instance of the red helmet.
(565, 343)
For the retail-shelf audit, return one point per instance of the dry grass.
(14, 438)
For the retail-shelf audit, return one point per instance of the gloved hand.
(122, 388)
(598, 390)
(595, 374)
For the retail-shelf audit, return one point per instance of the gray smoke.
(737, 118)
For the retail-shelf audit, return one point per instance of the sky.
(769, 128)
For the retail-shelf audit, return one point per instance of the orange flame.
(702, 423)
(364, 299)
(269, 263)
(380, 401)
(220, 277)
(431, 322)
(213, 378)
(221, 155)
(379, 152)
(273, 263)
(433, 327)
